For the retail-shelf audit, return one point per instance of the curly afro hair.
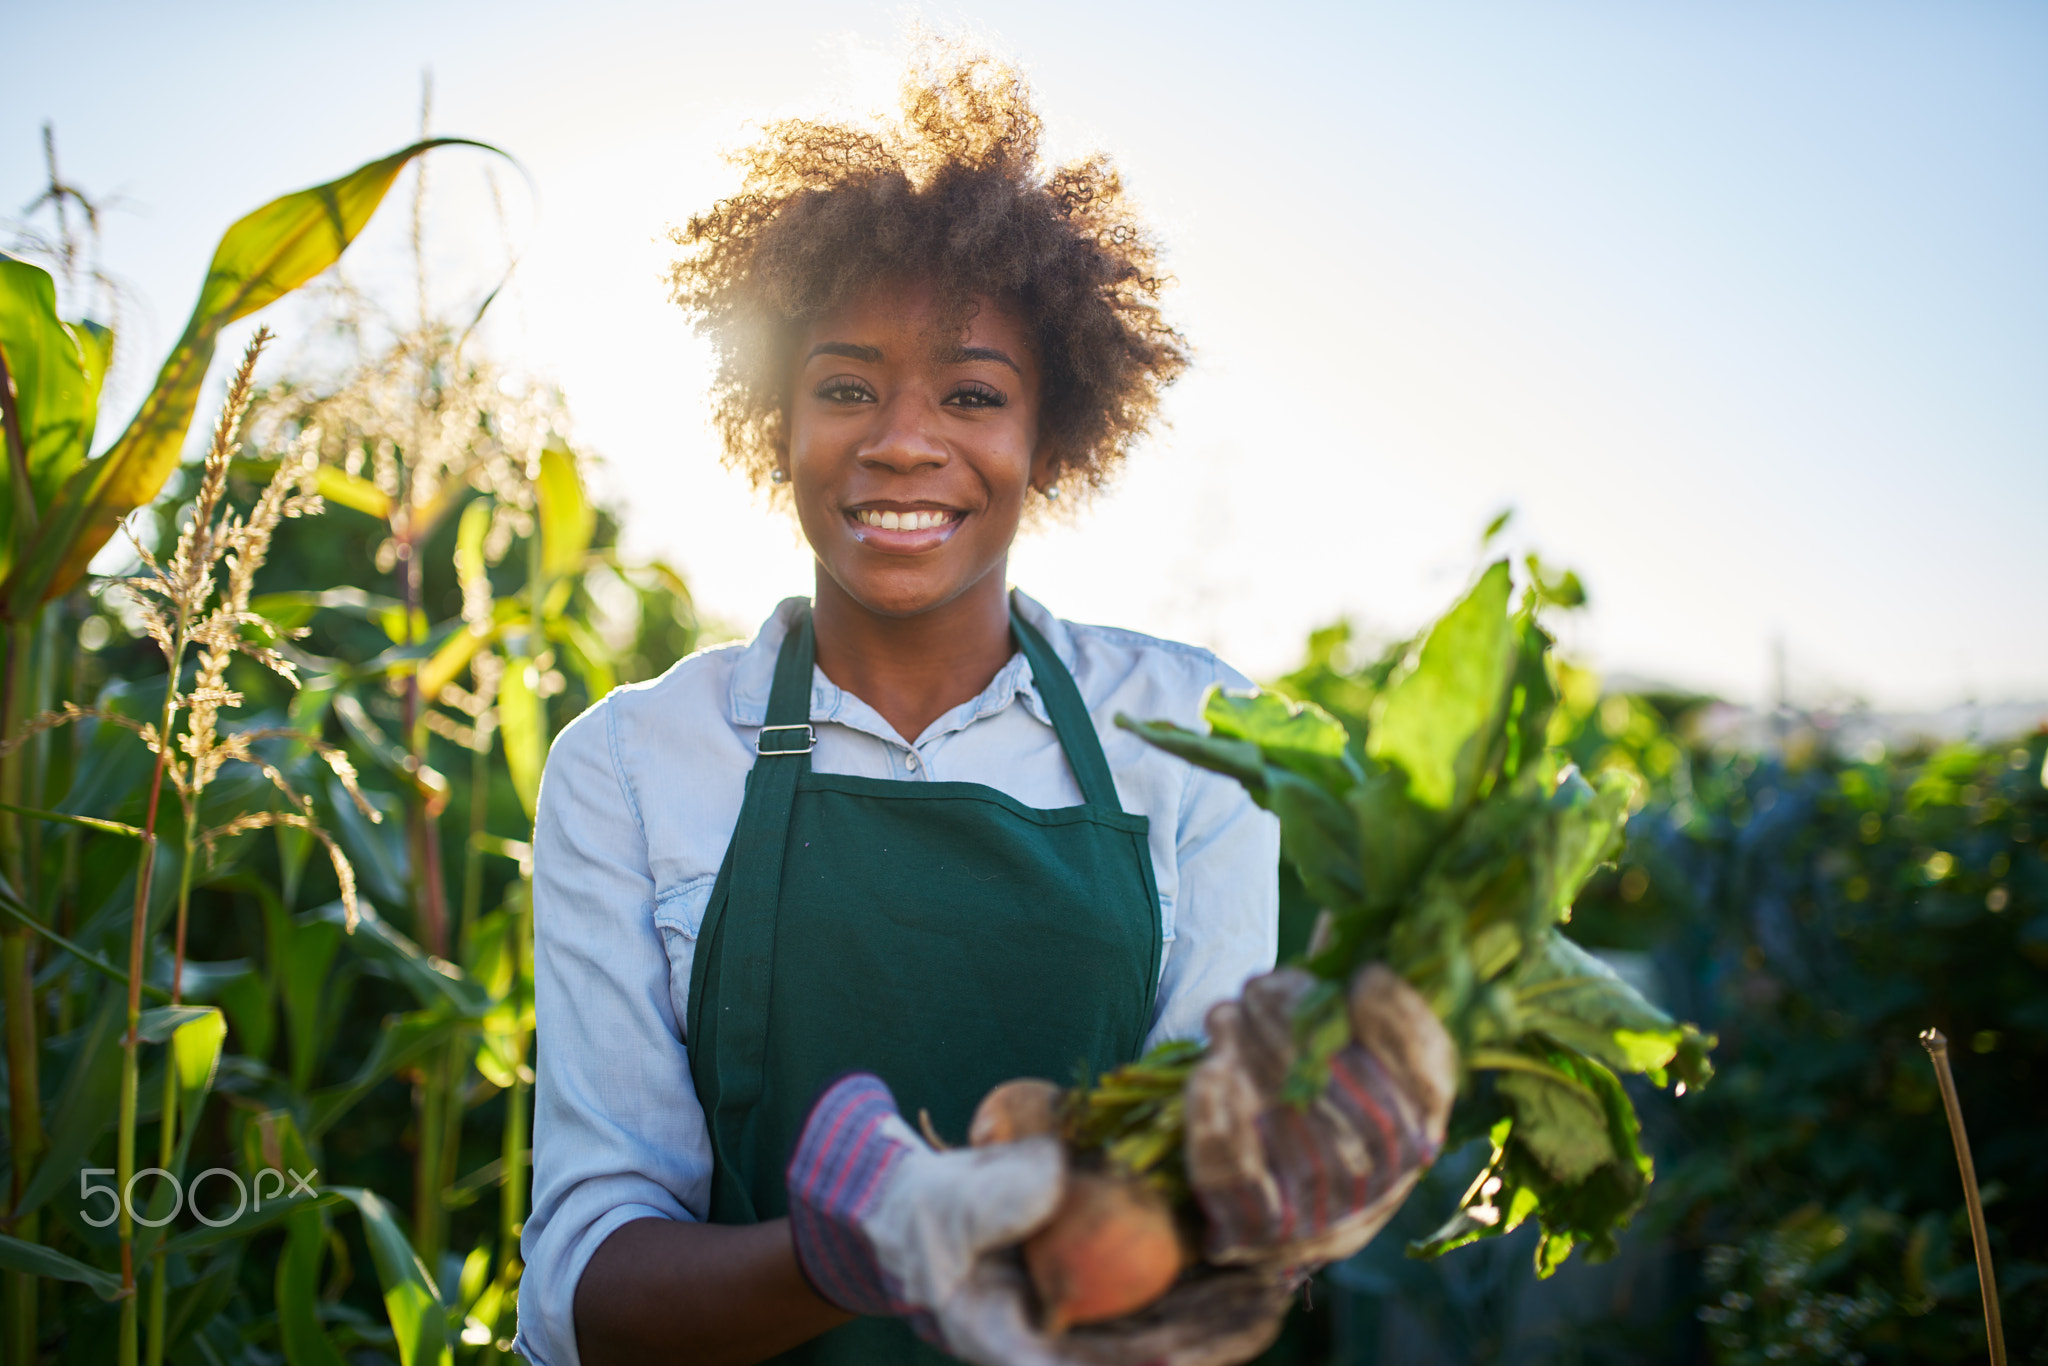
(953, 192)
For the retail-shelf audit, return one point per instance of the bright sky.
(1743, 306)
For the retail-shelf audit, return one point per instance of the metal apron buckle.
(810, 740)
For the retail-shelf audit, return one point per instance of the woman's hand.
(885, 1225)
(1287, 1190)
(1288, 1187)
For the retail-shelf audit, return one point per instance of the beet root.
(1016, 1109)
(1111, 1249)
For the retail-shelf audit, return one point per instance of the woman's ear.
(1045, 469)
(775, 438)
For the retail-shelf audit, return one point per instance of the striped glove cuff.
(845, 1158)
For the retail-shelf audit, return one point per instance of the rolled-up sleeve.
(1227, 912)
(618, 1134)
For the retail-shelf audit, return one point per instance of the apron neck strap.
(786, 730)
(787, 733)
(1069, 715)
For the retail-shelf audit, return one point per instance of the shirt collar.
(754, 676)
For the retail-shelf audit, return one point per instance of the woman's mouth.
(904, 531)
(919, 520)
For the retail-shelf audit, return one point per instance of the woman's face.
(911, 450)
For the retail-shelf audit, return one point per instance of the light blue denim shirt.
(639, 802)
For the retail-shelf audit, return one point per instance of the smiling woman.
(894, 849)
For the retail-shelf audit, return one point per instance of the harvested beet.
(1111, 1249)
(1016, 1109)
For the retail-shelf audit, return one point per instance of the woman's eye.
(845, 389)
(974, 394)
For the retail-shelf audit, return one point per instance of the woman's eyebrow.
(866, 354)
(968, 353)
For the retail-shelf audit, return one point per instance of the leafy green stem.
(13, 908)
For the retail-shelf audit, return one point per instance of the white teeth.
(903, 521)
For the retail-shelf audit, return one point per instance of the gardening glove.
(885, 1225)
(1213, 1317)
(1287, 1186)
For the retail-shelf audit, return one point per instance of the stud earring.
(778, 476)
(1052, 493)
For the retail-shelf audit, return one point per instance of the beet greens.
(1448, 840)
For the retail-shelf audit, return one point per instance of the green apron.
(943, 936)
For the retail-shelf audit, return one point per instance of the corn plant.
(470, 496)
(59, 506)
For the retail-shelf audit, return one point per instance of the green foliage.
(264, 256)
(383, 1055)
(1816, 905)
(1820, 909)
(1438, 833)
(55, 368)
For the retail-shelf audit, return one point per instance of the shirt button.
(910, 761)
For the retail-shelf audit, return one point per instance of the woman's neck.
(913, 670)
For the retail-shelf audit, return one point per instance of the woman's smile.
(897, 529)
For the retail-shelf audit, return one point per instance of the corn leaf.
(434, 982)
(295, 609)
(353, 491)
(38, 1260)
(272, 1141)
(470, 533)
(195, 1044)
(566, 517)
(56, 368)
(304, 1341)
(263, 257)
(522, 721)
(96, 353)
(308, 954)
(402, 1040)
(446, 664)
(195, 1047)
(251, 1009)
(334, 484)
(86, 1105)
(253, 1219)
(418, 1318)
(160, 1023)
(587, 655)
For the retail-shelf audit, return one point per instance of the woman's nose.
(904, 439)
